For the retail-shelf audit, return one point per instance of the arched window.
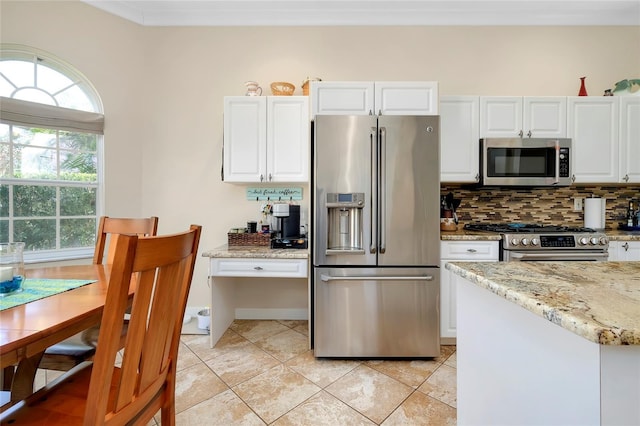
(51, 127)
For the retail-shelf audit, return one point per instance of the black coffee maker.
(289, 236)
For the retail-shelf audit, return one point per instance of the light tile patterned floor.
(262, 373)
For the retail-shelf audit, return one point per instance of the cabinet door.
(630, 139)
(448, 300)
(545, 117)
(459, 138)
(593, 124)
(342, 98)
(244, 140)
(624, 251)
(500, 116)
(406, 98)
(288, 136)
(451, 251)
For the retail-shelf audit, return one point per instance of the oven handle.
(558, 256)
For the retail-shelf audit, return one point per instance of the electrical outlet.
(577, 204)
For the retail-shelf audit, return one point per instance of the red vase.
(583, 89)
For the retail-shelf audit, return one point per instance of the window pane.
(34, 95)
(51, 81)
(32, 200)
(74, 98)
(20, 73)
(5, 169)
(34, 136)
(78, 141)
(4, 231)
(34, 163)
(37, 234)
(77, 201)
(77, 233)
(4, 201)
(78, 167)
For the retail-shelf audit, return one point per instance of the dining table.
(28, 329)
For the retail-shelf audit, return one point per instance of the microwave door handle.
(382, 190)
(373, 237)
(557, 181)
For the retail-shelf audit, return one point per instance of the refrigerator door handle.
(327, 278)
(382, 190)
(373, 237)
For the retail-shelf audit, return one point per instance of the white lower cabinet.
(624, 250)
(452, 251)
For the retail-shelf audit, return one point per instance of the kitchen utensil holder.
(255, 239)
(282, 88)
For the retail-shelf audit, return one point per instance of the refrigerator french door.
(376, 251)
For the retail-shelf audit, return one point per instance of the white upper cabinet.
(341, 97)
(266, 139)
(459, 138)
(630, 139)
(528, 117)
(369, 98)
(593, 125)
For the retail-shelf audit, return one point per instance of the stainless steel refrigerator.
(376, 236)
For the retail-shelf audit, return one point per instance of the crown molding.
(373, 12)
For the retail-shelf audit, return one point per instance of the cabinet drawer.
(284, 268)
(469, 250)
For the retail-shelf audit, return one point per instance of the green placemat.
(39, 288)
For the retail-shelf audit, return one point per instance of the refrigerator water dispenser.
(344, 223)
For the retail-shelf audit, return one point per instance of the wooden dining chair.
(67, 354)
(98, 392)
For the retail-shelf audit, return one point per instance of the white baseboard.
(278, 314)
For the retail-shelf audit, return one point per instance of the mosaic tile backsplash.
(548, 206)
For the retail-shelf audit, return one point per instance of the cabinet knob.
(477, 177)
(529, 134)
(626, 178)
(573, 178)
(258, 268)
(270, 177)
(261, 178)
(521, 133)
(472, 250)
(626, 246)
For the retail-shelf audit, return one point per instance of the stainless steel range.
(526, 242)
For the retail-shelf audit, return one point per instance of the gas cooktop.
(522, 228)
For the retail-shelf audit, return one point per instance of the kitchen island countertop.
(599, 301)
(262, 252)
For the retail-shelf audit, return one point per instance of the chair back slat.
(109, 226)
(162, 269)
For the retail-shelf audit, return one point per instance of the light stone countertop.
(599, 301)
(262, 252)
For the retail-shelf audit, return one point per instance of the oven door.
(526, 162)
(555, 255)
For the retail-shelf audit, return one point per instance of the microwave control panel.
(564, 162)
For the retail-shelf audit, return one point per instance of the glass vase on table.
(11, 268)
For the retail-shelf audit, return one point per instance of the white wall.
(162, 89)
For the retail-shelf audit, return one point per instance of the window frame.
(25, 114)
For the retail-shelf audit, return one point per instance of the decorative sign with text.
(274, 194)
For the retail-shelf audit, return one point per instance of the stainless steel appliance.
(524, 242)
(525, 162)
(376, 243)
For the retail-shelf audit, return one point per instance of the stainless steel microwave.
(525, 162)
